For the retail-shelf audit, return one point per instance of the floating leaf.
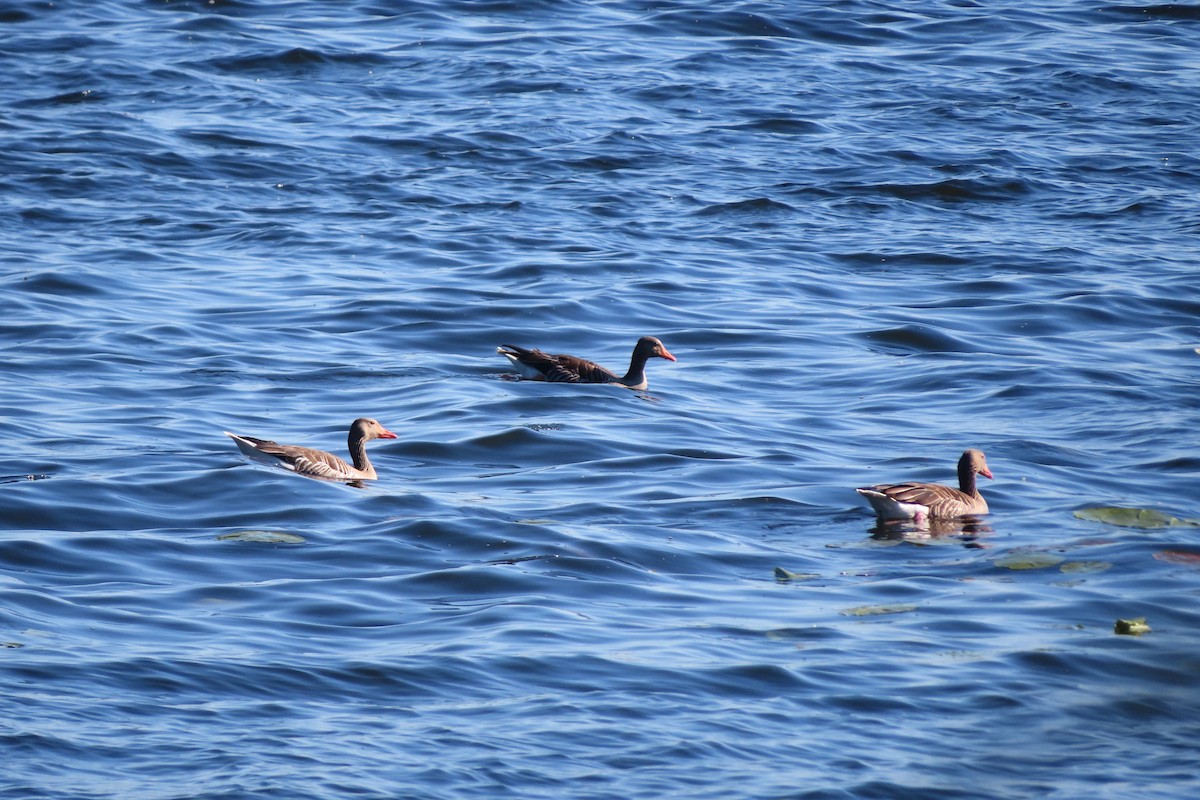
(262, 537)
(1179, 557)
(782, 574)
(1085, 566)
(871, 611)
(1131, 627)
(1028, 561)
(1132, 517)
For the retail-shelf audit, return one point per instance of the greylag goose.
(539, 366)
(318, 463)
(922, 501)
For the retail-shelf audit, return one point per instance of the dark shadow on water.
(521, 559)
(20, 478)
(516, 378)
(969, 530)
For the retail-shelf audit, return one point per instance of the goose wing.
(303, 460)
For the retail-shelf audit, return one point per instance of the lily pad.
(1028, 561)
(782, 574)
(871, 611)
(1085, 566)
(1131, 627)
(1133, 517)
(262, 537)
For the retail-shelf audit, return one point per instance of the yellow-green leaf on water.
(871, 611)
(782, 574)
(1028, 561)
(1085, 566)
(1132, 517)
(262, 537)
(1131, 627)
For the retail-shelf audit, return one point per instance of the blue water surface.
(874, 234)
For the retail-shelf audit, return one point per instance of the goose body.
(536, 365)
(318, 463)
(923, 501)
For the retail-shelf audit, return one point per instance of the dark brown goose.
(317, 463)
(922, 501)
(539, 366)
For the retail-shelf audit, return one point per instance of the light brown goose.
(539, 366)
(317, 463)
(922, 501)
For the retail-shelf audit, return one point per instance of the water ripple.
(872, 236)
